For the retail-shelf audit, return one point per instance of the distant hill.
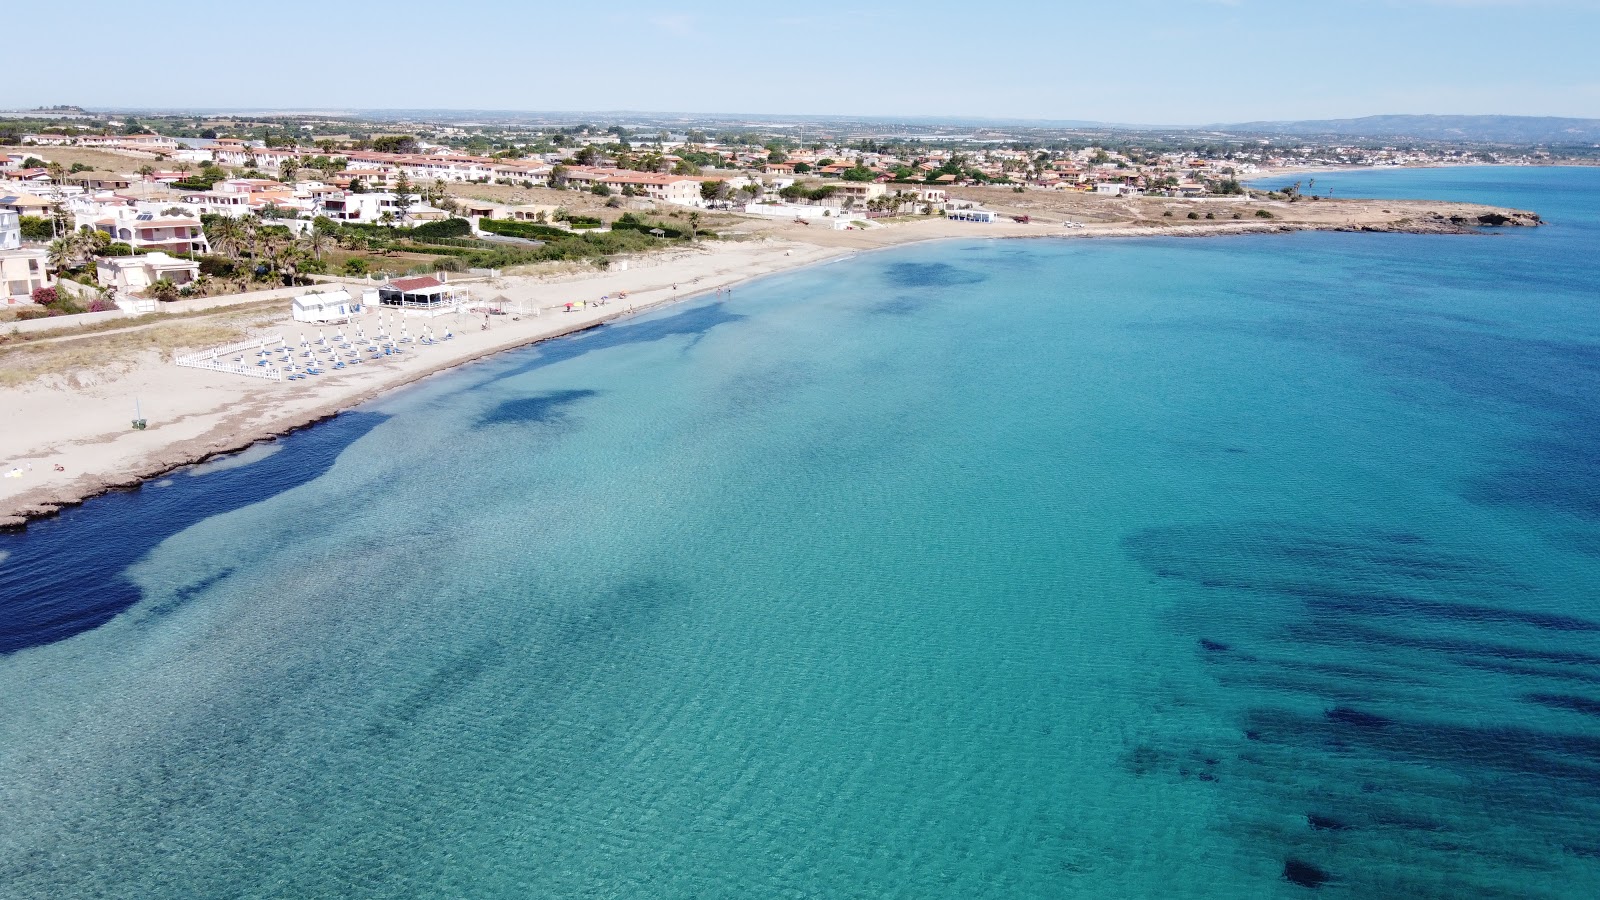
(1489, 129)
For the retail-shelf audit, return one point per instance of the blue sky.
(1179, 62)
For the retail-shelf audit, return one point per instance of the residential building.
(25, 205)
(10, 230)
(145, 230)
(22, 271)
(371, 208)
(682, 190)
(858, 191)
(129, 274)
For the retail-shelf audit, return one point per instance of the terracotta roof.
(421, 282)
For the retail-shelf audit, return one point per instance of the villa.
(129, 274)
(22, 270)
(152, 231)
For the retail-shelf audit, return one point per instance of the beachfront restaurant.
(423, 295)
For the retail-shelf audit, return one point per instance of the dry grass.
(69, 359)
(101, 160)
(577, 201)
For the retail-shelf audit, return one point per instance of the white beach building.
(325, 307)
(423, 295)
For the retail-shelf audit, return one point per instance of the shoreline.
(241, 418)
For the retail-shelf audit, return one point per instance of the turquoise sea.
(1260, 566)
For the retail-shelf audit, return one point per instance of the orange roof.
(415, 284)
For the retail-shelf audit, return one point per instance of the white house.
(332, 306)
(370, 208)
(10, 230)
(135, 273)
(21, 272)
(147, 229)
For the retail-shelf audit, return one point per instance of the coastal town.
(251, 277)
(105, 212)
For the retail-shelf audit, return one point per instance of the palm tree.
(694, 226)
(250, 236)
(318, 242)
(224, 235)
(287, 171)
(63, 252)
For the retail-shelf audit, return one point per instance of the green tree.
(404, 196)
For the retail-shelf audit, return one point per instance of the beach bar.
(423, 295)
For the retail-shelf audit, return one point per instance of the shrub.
(36, 228)
(1193, 215)
(1263, 214)
(630, 222)
(216, 266)
(445, 228)
(511, 228)
(355, 266)
(44, 296)
(163, 290)
(1167, 214)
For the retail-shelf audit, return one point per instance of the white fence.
(225, 359)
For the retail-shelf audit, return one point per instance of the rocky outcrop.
(1439, 223)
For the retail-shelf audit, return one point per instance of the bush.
(446, 228)
(1167, 214)
(512, 228)
(631, 222)
(600, 190)
(1263, 214)
(355, 266)
(37, 228)
(44, 296)
(216, 266)
(1193, 215)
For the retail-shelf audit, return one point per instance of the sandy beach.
(72, 438)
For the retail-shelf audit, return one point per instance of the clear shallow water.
(982, 569)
